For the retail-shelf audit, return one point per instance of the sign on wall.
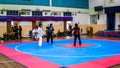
(93, 19)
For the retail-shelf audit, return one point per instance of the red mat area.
(77, 45)
(101, 63)
(25, 59)
(115, 40)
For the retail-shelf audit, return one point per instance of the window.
(93, 19)
(1, 12)
(26, 0)
(37, 13)
(67, 13)
(24, 13)
(12, 12)
(71, 3)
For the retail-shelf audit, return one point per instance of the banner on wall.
(34, 18)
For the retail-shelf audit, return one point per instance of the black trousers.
(50, 36)
(75, 38)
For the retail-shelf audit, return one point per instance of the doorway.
(8, 26)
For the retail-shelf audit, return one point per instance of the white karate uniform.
(40, 34)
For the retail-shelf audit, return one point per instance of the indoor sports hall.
(59, 34)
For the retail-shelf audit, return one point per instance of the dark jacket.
(76, 30)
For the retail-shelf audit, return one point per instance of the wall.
(58, 3)
(3, 28)
(2, 13)
(104, 3)
(117, 20)
(101, 21)
(95, 27)
(58, 25)
(26, 2)
(82, 26)
(81, 18)
(71, 3)
(109, 3)
(98, 27)
(26, 27)
(31, 7)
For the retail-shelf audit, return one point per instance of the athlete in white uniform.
(40, 34)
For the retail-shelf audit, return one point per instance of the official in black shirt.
(76, 30)
(49, 33)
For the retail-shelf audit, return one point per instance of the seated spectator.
(59, 34)
(12, 35)
(6, 36)
(30, 34)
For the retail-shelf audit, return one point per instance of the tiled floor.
(6, 62)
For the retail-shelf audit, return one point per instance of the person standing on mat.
(76, 30)
(49, 33)
(40, 34)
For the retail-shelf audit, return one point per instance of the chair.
(30, 34)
